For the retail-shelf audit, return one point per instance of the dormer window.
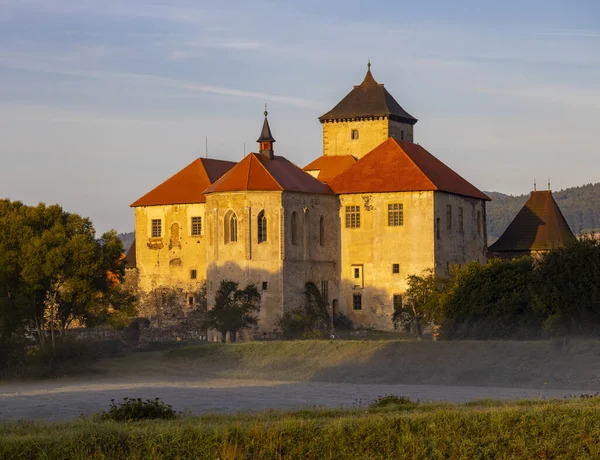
(355, 134)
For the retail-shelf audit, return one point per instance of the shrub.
(299, 323)
(132, 410)
(392, 400)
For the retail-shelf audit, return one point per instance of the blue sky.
(102, 100)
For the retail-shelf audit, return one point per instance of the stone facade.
(285, 261)
(338, 138)
(169, 260)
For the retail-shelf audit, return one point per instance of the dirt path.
(64, 399)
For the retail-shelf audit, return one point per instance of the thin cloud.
(138, 78)
(570, 33)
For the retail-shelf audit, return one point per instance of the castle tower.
(366, 117)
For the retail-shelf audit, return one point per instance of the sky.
(100, 101)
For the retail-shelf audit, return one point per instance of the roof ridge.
(434, 185)
(269, 173)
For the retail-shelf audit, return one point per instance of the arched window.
(322, 231)
(262, 227)
(294, 228)
(231, 227)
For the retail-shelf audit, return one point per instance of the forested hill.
(579, 205)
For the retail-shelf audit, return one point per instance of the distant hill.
(579, 205)
(127, 240)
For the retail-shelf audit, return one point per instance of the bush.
(299, 323)
(392, 400)
(132, 410)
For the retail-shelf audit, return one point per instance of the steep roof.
(369, 99)
(187, 185)
(538, 226)
(330, 166)
(265, 132)
(258, 172)
(399, 166)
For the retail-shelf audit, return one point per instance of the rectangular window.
(356, 272)
(479, 222)
(437, 228)
(325, 291)
(156, 228)
(193, 274)
(395, 215)
(352, 216)
(395, 269)
(265, 285)
(196, 226)
(461, 227)
(397, 299)
(449, 217)
(401, 135)
(357, 301)
(191, 300)
(354, 134)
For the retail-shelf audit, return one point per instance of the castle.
(348, 228)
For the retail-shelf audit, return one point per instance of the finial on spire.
(266, 113)
(369, 64)
(548, 184)
(266, 138)
(534, 186)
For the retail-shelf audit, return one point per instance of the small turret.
(266, 138)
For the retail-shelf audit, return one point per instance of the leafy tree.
(423, 296)
(567, 288)
(234, 309)
(53, 270)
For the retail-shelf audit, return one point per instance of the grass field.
(477, 430)
(532, 364)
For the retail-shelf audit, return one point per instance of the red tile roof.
(257, 172)
(399, 166)
(330, 166)
(187, 185)
(539, 226)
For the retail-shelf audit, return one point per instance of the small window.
(193, 274)
(294, 228)
(196, 226)
(231, 227)
(356, 273)
(352, 216)
(265, 285)
(395, 269)
(397, 299)
(354, 134)
(191, 300)
(395, 215)
(479, 222)
(325, 291)
(156, 228)
(437, 228)
(461, 227)
(322, 231)
(449, 217)
(262, 227)
(357, 301)
(402, 135)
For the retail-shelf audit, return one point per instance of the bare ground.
(286, 375)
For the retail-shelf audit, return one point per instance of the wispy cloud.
(571, 33)
(26, 63)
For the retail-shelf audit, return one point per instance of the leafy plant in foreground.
(132, 410)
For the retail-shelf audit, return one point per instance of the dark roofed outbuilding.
(539, 226)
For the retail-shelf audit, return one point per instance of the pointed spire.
(266, 138)
(369, 80)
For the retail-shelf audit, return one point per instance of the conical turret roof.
(369, 99)
(539, 226)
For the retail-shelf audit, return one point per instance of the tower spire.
(266, 138)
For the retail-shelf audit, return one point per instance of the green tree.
(423, 295)
(234, 309)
